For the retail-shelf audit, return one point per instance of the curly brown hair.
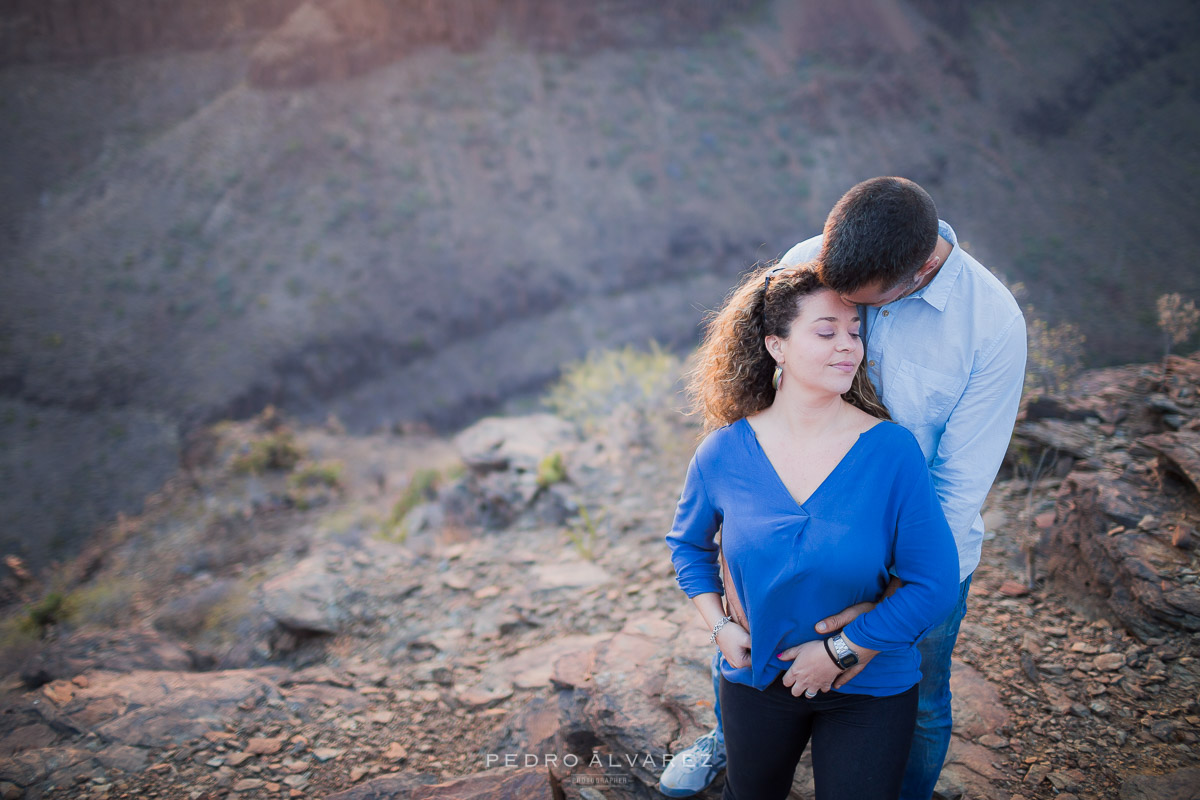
(732, 374)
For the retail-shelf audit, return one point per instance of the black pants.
(859, 742)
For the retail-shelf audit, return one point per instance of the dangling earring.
(777, 378)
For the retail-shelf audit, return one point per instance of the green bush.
(107, 602)
(1176, 319)
(421, 488)
(327, 474)
(582, 533)
(17, 642)
(276, 451)
(48, 611)
(1055, 355)
(313, 484)
(590, 391)
(551, 470)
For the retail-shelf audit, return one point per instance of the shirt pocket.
(921, 396)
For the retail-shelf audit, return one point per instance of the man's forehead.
(847, 301)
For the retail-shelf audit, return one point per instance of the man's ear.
(929, 266)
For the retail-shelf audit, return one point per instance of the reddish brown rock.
(1182, 784)
(535, 667)
(33, 766)
(307, 599)
(1121, 571)
(311, 698)
(124, 758)
(115, 651)
(395, 752)
(152, 708)
(978, 709)
(264, 747)
(572, 669)
(624, 707)
(1123, 516)
(248, 784)
(1013, 589)
(27, 737)
(969, 772)
(1180, 451)
(531, 784)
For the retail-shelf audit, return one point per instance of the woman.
(817, 500)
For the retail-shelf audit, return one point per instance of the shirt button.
(870, 363)
(885, 312)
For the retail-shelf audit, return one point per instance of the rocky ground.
(402, 616)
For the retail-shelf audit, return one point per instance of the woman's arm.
(924, 558)
(693, 537)
(694, 553)
(733, 639)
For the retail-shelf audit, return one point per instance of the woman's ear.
(774, 347)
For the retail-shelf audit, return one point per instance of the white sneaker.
(693, 769)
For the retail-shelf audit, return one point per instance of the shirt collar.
(937, 292)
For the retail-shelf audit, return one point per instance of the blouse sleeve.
(693, 537)
(925, 558)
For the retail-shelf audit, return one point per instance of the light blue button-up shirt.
(948, 361)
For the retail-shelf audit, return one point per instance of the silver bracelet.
(717, 628)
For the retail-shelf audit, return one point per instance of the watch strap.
(832, 657)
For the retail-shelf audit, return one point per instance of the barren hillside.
(414, 211)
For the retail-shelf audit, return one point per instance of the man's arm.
(976, 437)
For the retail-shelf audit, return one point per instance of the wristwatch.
(840, 652)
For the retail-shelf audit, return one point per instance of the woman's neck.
(807, 413)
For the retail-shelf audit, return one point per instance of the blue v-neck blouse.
(792, 564)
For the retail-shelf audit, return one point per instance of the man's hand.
(836, 622)
(844, 617)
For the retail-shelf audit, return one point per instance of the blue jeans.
(716, 679)
(931, 739)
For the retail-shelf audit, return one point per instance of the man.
(945, 348)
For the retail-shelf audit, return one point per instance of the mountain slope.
(432, 235)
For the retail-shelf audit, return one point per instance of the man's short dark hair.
(882, 230)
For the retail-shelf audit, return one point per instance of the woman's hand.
(734, 642)
(812, 669)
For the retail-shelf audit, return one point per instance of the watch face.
(846, 657)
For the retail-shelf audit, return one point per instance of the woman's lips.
(845, 366)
